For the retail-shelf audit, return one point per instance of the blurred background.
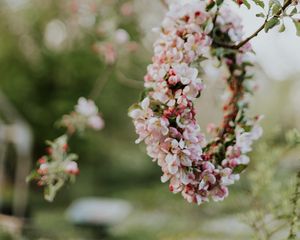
(53, 52)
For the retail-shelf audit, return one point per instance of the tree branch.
(164, 3)
(242, 43)
(101, 82)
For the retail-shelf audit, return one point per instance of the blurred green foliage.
(45, 89)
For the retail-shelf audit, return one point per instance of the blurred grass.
(157, 214)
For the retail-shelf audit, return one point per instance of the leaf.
(271, 23)
(33, 175)
(260, 15)
(294, 11)
(133, 107)
(219, 2)
(259, 3)
(71, 157)
(247, 4)
(239, 168)
(293, 137)
(145, 93)
(282, 28)
(210, 6)
(274, 2)
(247, 63)
(219, 52)
(275, 9)
(297, 25)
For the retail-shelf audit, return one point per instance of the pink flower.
(96, 122)
(71, 167)
(173, 163)
(43, 169)
(127, 9)
(87, 115)
(219, 193)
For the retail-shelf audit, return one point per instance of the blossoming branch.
(58, 166)
(165, 118)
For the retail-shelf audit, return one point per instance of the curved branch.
(122, 78)
(100, 83)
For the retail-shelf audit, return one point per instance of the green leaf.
(271, 23)
(239, 168)
(275, 9)
(260, 15)
(274, 2)
(133, 107)
(145, 93)
(210, 6)
(71, 157)
(219, 2)
(293, 137)
(219, 52)
(259, 3)
(294, 11)
(247, 4)
(297, 25)
(247, 63)
(33, 175)
(282, 28)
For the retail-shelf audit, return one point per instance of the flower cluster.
(105, 20)
(58, 166)
(165, 117)
(86, 115)
(118, 42)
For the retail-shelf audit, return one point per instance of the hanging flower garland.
(165, 117)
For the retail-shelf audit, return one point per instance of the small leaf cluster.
(275, 13)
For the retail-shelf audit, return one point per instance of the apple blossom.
(165, 118)
(59, 166)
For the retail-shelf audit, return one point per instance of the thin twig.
(100, 83)
(277, 229)
(215, 20)
(164, 3)
(122, 78)
(216, 16)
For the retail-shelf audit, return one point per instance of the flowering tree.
(165, 119)
(193, 32)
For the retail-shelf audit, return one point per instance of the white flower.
(244, 141)
(86, 107)
(44, 167)
(96, 122)
(71, 167)
(173, 163)
(256, 132)
(143, 111)
(121, 36)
